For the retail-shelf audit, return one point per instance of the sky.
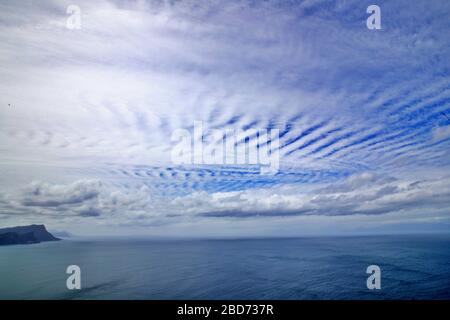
(88, 115)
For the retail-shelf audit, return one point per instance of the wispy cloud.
(100, 104)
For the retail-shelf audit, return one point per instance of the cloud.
(118, 87)
(100, 104)
(83, 198)
(46, 195)
(441, 133)
(364, 194)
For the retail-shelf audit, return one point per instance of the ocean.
(412, 267)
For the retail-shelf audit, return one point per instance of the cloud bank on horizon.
(87, 115)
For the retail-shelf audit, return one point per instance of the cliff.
(25, 235)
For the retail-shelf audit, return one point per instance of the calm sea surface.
(412, 267)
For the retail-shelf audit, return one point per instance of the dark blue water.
(412, 267)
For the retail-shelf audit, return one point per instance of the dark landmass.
(25, 235)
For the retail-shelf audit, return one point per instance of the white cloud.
(441, 133)
(365, 194)
(101, 103)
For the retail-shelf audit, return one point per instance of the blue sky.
(87, 115)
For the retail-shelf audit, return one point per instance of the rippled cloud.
(89, 112)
